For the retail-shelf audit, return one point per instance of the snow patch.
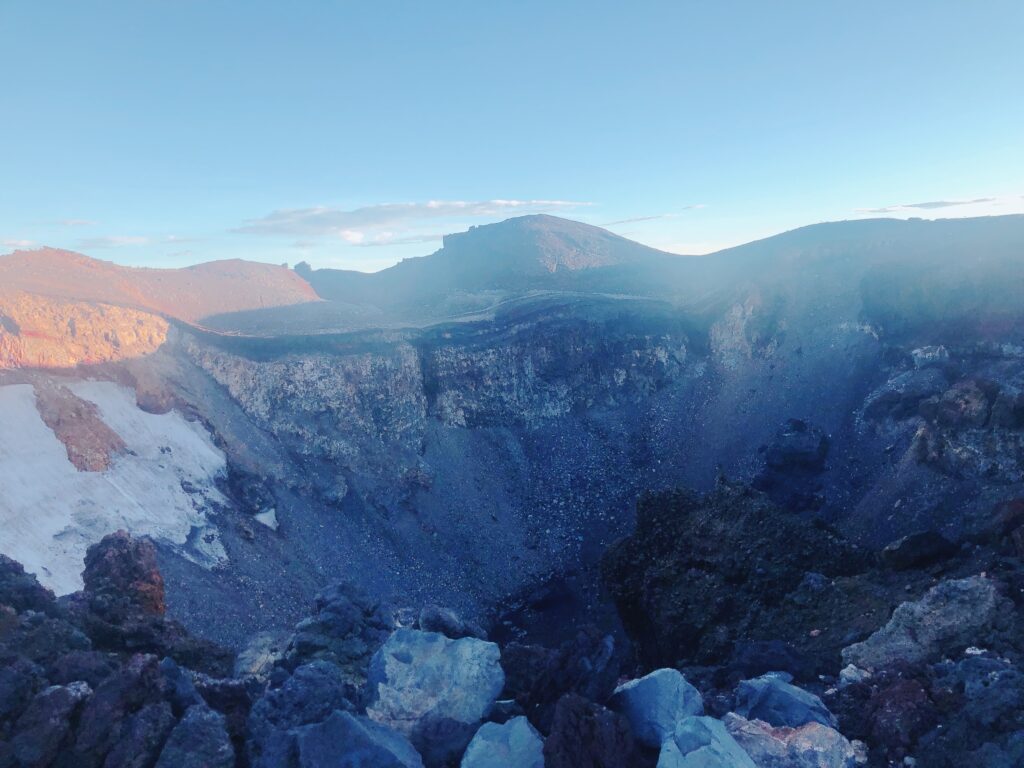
(163, 486)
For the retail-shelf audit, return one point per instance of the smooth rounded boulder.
(514, 744)
(654, 704)
(434, 690)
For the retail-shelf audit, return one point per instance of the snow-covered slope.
(163, 484)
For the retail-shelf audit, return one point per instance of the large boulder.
(122, 578)
(434, 690)
(774, 700)
(199, 740)
(514, 744)
(347, 627)
(586, 735)
(345, 740)
(950, 615)
(702, 742)
(43, 730)
(655, 703)
(116, 717)
(812, 745)
(122, 607)
(310, 695)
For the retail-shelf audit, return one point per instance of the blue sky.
(354, 134)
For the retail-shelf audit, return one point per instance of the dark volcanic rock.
(917, 550)
(344, 740)
(122, 579)
(536, 677)
(586, 735)
(965, 405)
(42, 732)
(793, 460)
(798, 445)
(901, 396)
(448, 623)
(346, 629)
(119, 712)
(22, 591)
(698, 570)
(309, 696)
(200, 740)
(122, 607)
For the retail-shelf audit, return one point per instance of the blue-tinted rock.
(515, 744)
(702, 742)
(654, 704)
(434, 690)
(344, 740)
(200, 740)
(777, 702)
(310, 695)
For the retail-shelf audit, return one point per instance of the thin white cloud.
(927, 206)
(654, 217)
(365, 224)
(76, 223)
(15, 243)
(114, 241)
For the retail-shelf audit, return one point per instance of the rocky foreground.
(756, 641)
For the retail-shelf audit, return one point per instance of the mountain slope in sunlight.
(188, 294)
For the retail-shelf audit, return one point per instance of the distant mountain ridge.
(188, 294)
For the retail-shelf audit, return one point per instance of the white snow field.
(50, 512)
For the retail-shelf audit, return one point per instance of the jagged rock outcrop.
(345, 629)
(949, 616)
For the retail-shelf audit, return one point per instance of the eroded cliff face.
(41, 332)
(370, 414)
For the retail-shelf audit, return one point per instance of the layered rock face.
(41, 332)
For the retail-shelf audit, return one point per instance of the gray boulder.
(345, 740)
(515, 744)
(777, 702)
(702, 742)
(655, 703)
(950, 615)
(200, 740)
(434, 690)
(812, 745)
